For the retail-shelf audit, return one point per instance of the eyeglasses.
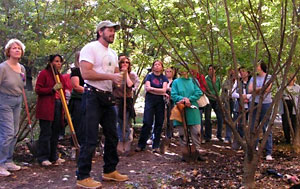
(127, 62)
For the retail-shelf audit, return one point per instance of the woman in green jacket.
(186, 91)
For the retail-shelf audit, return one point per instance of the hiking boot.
(115, 176)
(88, 183)
(11, 166)
(46, 163)
(4, 172)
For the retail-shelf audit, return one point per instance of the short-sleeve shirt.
(104, 60)
(259, 83)
(156, 81)
(75, 72)
(11, 82)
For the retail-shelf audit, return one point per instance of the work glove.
(57, 86)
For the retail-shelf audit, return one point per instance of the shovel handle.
(65, 106)
(124, 105)
(26, 106)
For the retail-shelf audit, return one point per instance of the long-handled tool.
(166, 140)
(32, 145)
(65, 106)
(189, 152)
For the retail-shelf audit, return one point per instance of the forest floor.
(222, 168)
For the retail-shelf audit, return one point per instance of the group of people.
(97, 98)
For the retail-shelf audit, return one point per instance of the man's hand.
(117, 78)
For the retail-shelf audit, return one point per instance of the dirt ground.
(222, 169)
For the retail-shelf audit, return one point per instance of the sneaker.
(269, 158)
(149, 141)
(4, 172)
(88, 183)
(73, 154)
(11, 166)
(227, 141)
(220, 139)
(60, 161)
(46, 163)
(115, 176)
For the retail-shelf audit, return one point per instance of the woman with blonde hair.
(12, 81)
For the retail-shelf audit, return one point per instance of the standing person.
(246, 96)
(213, 89)
(203, 85)
(156, 87)
(75, 101)
(226, 94)
(12, 81)
(186, 91)
(99, 64)
(49, 112)
(290, 96)
(118, 92)
(169, 73)
(261, 79)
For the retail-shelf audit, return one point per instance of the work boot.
(115, 176)
(4, 172)
(88, 183)
(11, 166)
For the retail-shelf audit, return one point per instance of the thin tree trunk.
(250, 165)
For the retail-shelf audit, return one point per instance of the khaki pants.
(194, 133)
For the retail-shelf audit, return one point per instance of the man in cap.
(99, 69)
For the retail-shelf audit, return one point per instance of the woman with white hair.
(12, 81)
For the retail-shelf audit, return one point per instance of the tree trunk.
(250, 166)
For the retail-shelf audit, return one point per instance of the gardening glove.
(57, 86)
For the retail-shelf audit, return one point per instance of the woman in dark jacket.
(49, 112)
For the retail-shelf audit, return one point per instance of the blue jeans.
(228, 129)
(95, 113)
(264, 109)
(10, 108)
(154, 107)
(49, 133)
(208, 130)
(120, 126)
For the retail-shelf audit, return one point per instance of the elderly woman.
(49, 112)
(12, 81)
(186, 91)
(118, 92)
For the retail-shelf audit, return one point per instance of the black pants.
(76, 113)
(96, 113)
(49, 132)
(285, 123)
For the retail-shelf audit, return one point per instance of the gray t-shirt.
(259, 83)
(11, 82)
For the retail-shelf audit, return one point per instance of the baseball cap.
(108, 24)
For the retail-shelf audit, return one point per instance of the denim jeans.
(154, 107)
(208, 130)
(264, 109)
(49, 133)
(10, 108)
(120, 126)
(228, 129)
(95, 114)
